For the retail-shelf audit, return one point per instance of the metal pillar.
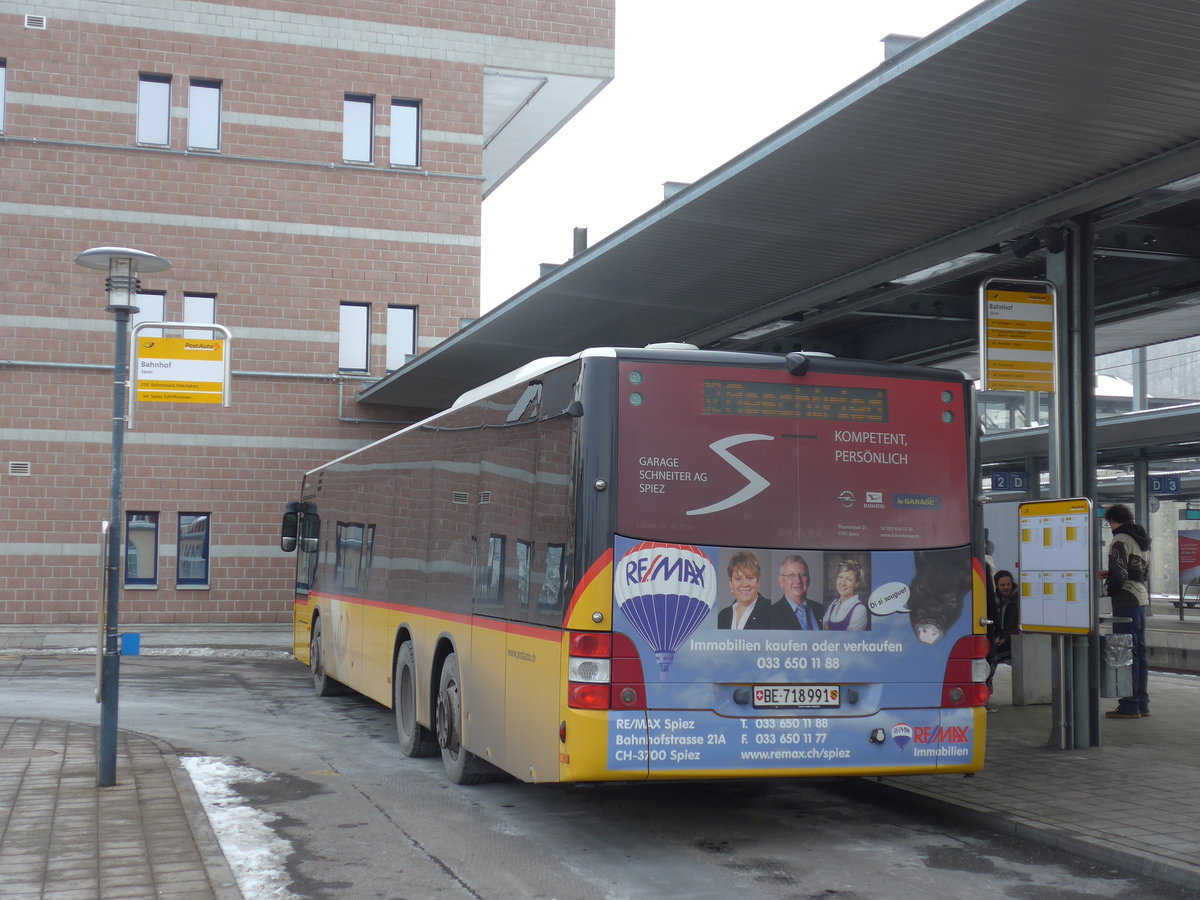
(121, 286)
(1077, 698)
(111, 671)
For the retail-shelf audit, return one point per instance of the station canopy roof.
(865, 227)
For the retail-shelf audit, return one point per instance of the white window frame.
(204, 114)
(358, 128)
(354, 337)
(200, 309)
(401, 335)
(154, 110)
(151, 308)
(3, 91)
(406, 133)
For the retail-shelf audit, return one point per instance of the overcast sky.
(697, 82)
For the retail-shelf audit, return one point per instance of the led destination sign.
(795, 401)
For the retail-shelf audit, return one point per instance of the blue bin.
(131, 644)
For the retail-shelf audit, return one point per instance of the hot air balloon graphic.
(665, 591)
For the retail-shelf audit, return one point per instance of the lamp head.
(122, 265)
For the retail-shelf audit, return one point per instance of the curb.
(216, 866)
(1039, 832)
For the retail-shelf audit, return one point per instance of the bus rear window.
(760, 458)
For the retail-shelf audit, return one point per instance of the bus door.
(503, 515)
(534, 649)
(846, 493)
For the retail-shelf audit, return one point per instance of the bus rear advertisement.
(639, 564)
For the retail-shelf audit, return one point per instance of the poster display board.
(1189, 557)
(1056, 566)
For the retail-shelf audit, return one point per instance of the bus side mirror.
(287, 532)
(310, 531)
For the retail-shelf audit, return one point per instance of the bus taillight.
(965, 683)
(591, 644)
(604, 672)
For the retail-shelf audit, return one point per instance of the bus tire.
(462, 766)
(323, 684)
(415, 739)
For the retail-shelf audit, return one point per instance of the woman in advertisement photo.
(847, 612)
(749, 609)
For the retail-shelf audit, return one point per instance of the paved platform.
(1133, 802)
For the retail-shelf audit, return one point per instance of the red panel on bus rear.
(759, 457)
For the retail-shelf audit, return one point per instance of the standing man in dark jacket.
(1128, 581)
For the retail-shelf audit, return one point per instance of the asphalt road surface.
(363, 822)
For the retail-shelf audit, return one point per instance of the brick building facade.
(314, 175)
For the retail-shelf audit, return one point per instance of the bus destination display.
(795, 401)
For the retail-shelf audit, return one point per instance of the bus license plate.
(795, 696)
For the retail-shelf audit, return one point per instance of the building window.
(406, 133)
(401, 335)
(191, 555)
(354, 337)
(358, 128)
(199, 308)
(204, 115)
(150, 309)
(141, 548)
(154, 110)
(3, 99)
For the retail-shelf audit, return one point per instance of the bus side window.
(348, 555)
(524, 564)
(309, 543)
(550, 598)
(368, 556)
(558, 391)
(490, 581)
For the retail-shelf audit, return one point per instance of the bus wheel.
(462, 766)
(415, 739)
(323, 684)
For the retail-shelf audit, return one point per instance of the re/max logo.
(944, 734)
(663, 568)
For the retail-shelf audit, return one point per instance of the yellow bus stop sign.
(1017, 337)
(180, 370)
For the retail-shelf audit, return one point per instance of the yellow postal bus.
(661, 563)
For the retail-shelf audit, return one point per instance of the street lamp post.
(122, 265)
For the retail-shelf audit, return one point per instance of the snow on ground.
(255, 852)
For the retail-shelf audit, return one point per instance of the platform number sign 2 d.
(1008, 480)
